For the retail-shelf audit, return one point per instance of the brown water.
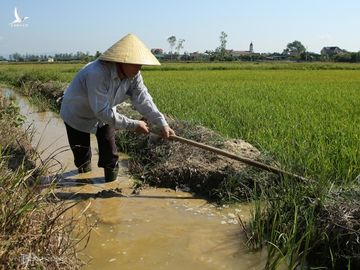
(155, 229)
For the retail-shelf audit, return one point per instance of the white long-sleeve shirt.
(91, 98)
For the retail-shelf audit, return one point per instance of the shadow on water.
(111, 193)
(63, 180)
(66, 180)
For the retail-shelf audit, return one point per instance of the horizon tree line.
(294, 51)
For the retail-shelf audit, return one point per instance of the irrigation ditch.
(301, 225)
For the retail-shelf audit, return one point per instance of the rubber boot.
(85, 168)
(111, 173)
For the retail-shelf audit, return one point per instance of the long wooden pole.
(236, 157)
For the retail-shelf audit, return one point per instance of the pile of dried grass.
(175, 165)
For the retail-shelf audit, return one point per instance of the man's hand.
(142, 128)
(166, 132)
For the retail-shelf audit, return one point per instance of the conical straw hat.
(131, 50)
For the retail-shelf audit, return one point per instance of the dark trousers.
(80, 145)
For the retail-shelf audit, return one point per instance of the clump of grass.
(33, 231)
(303, 224)
(338, 223)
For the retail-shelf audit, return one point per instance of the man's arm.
(145, 105)
(143, 102)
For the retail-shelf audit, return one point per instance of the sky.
(90, 26)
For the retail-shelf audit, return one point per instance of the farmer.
(89, 104)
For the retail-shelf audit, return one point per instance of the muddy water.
(154, 229)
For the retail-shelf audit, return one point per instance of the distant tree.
(185, 56)
(347, 57)
(342, 57)
(211, 55)
(172, 41)
(97, 54)
(294, 48)
(157, 51)
(220, 52)
(43, 57)
(16, 57)
(223, 40)
(310, 56)
(179, 46)
(65, 57)
(355, 57)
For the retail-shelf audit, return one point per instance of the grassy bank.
(33, 231)
(306, 117)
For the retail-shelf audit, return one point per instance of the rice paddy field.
(308, 120)
(305, 116)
